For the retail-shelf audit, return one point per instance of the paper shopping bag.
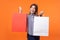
(41, 26)
(19, 22)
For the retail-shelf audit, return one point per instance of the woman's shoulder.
(28, 14)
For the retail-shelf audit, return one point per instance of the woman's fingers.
(41, 12)
(20, 9)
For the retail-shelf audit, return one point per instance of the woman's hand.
(41, 13)
(19, 9)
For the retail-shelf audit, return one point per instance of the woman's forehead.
(33, 6)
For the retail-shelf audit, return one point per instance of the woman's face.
(32, 9)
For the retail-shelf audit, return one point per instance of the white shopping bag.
(38, 26)
(41, 26)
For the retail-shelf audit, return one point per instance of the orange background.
(8, 7)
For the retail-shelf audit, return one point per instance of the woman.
(33, 12)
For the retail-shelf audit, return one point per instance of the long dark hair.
(36, 8)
